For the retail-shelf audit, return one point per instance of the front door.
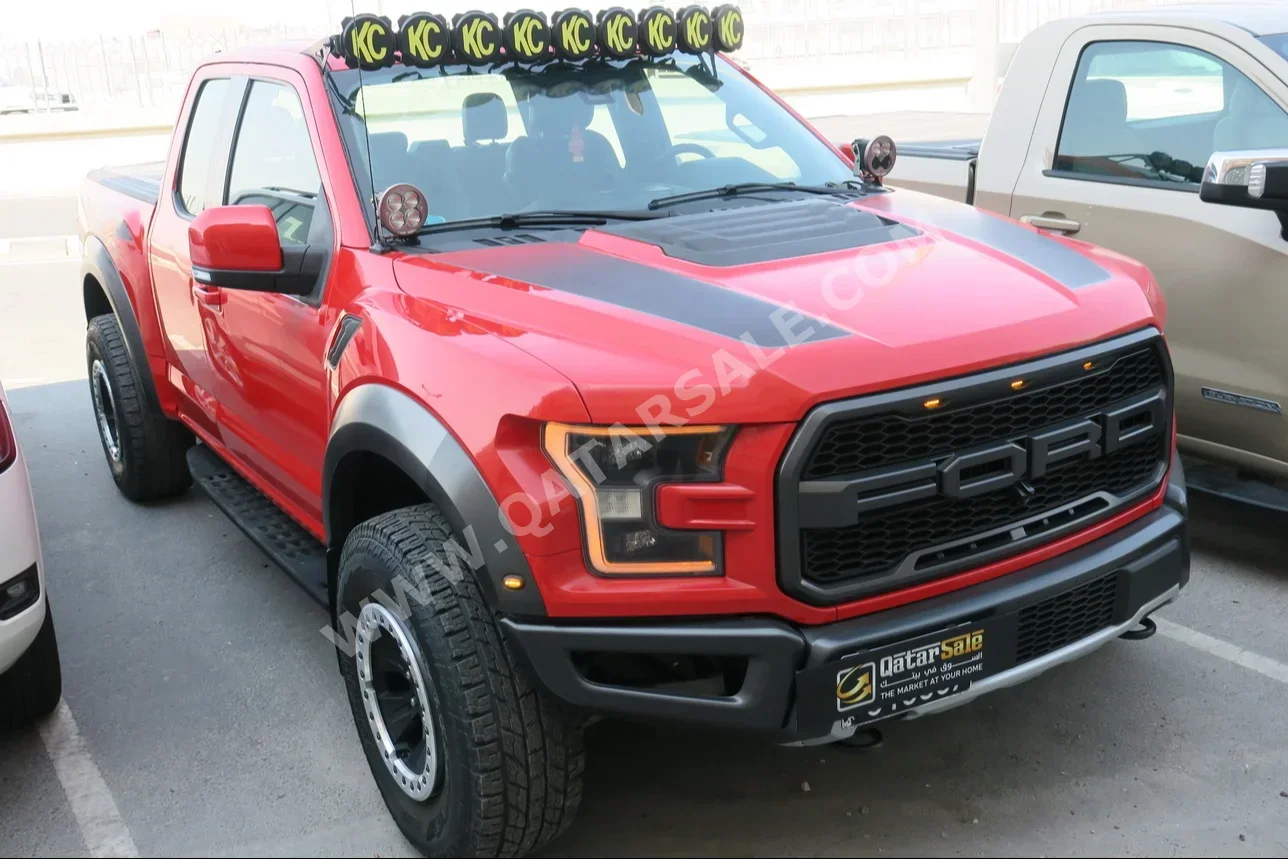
(186, 308)
(267, 350)
(1121, 167)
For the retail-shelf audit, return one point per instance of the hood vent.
(502, 241)
(761, 233)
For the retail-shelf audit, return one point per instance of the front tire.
(146, 451)
(33, 685)
(470, 758)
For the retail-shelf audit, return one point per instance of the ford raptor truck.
(577, 375)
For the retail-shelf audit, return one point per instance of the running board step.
(1227, 483)
(279, 536)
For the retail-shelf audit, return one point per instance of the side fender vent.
(349, 326)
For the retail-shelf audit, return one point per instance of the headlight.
(614, 472)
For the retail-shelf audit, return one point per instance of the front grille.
(882, 540)
(873, 441)
(1065, 618)
(889, 542)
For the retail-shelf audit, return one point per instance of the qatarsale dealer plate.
(885, 682)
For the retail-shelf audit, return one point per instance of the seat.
(388, 159)
(1252, 121)
(561, 159)
(480, 163)
(1095, 123)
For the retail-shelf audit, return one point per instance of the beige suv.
(1102, 131)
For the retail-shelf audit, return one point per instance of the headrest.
(1103, 100)
(389, 144)
(1248, 100)
(483, 117)
(557, 117)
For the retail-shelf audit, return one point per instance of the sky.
(73, 19)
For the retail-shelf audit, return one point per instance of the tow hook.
(863, 740)
(1145, 630)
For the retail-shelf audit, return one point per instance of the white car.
(30, 676)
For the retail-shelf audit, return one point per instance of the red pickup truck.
(604, 384)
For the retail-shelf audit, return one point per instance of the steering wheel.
(682, 148)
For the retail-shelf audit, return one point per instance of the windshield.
(1278, 43)
(611, 136)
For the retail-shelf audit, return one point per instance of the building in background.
(139, 55)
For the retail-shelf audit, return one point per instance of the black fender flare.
(98, 264)
(379, 419)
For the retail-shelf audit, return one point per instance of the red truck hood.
(634, 325)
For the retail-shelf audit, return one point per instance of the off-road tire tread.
(527, 755)
(154, 447)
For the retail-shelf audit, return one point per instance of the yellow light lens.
(514, 583)
(1089, 365)
(933, 403)
(1017, 384)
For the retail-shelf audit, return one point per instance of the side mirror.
(847, 150)
(237, 247)
(1253, 179)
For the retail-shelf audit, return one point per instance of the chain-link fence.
(148, 70)
(811, 38)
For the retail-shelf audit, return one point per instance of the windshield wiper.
(542, 218)
(740, 188)
(282, 189)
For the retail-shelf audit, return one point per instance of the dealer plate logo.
(855, 686)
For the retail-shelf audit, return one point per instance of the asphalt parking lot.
(205, 714)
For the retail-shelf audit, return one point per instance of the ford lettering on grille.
(879, 492)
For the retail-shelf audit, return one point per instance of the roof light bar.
(426, 39)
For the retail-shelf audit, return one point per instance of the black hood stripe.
(660, 293)
(1058, 262)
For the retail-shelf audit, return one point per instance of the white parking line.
(91, 802)
(1224, 649)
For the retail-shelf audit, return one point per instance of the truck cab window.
(199, 147)
(1152, 110)
(273, 163)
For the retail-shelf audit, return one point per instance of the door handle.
(1053, 221)
(211, 296)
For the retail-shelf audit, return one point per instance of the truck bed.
(140, 181)
(945, 168)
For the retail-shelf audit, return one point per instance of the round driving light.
(727, 28)
(878, 156)
(573, 33)
(657, 31)
(402, 209)
(616, 33)
(693, 30)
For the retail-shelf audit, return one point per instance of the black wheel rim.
(396, 700)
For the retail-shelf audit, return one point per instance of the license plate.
(887, 681)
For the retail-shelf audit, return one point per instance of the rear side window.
(1153, 110)
(199, 147)
(273, 163)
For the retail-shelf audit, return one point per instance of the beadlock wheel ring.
(396, 700)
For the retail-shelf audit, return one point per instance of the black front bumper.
(791, 672)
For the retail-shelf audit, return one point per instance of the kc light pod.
(693, 30)
(424, 39)
(526, 36)
(616, 33)
(727, 27)
(573, 34)
(656, 31)
(367, 42)
(402, 209)
(875, 158)
(476, 38)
